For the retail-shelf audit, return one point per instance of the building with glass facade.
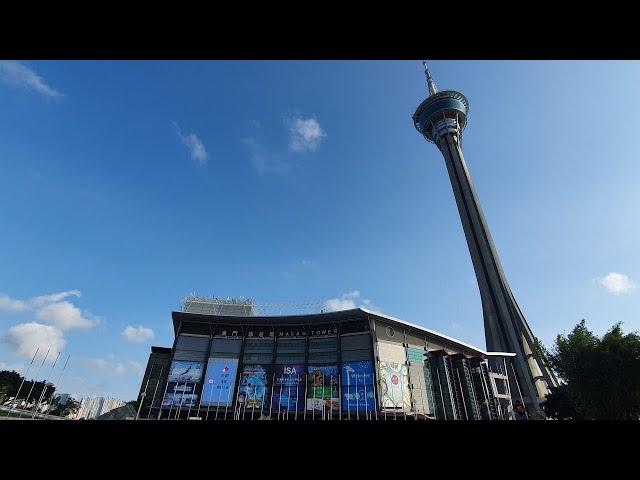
(348, 365)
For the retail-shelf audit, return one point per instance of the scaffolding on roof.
(245, 307)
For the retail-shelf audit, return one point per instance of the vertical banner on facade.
(289, 387)
(182, 381)
(322, 388)
(219, 381)
(357, 387)
(180, 394)
(253, 392)
(394, 382)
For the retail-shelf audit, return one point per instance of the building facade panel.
(341, 365)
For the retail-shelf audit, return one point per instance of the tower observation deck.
(441, 119)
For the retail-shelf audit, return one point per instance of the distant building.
(126, 412)
(93, 407)
(63, 398)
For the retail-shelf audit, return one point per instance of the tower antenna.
(432, 85)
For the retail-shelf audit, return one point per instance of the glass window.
(188, 342)
(258, 346)
(356, 355)
(290, 358)
(356, 342)
(323, 357)
(256, 358)
(189, 355)
(291, 346)
(323, 344)
(226, 345)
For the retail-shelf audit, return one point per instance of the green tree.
(600, 376)
(9, 383)
(71, 407)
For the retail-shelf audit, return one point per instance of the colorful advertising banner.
(357, 373)
(394, 385)
(357, 387)
(185, 371)
(180, 394)
(254, 393)
(219, 382)
(288, 392)
(322, 388)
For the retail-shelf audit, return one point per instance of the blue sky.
(127, 185)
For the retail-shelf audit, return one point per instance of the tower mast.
(441, 119)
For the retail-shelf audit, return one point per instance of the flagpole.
(366, 398)
(44, 387)
(297, 396)
(209, 400)
(340, 395)
(33, 383)
(144, 394)
(323, 402)
(15, 400)
(402, 391)
(166, 386)
(155, 391)
(236, 416)
(313, 411)
(56, 383)
(280, 399)
(264, 395)
(306, 389)
(273, 381)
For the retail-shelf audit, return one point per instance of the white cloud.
(116, 368)
(8, 304)
(308, 263)
(135, 368)
(16, 74)
(345, 302)
(26, 338)
(138, 335)
(262, 160)
(54, 297)
(63, 315)
(306, 134)
(50, 309)
(194, 144)
(617, 283)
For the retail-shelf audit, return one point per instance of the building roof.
(325, 317)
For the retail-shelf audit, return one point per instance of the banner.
(254, 393)
(185, 371)
(322, 387)
(288, 392)
(219, 381)
(394, 385)
(358, 387)
(180, 394)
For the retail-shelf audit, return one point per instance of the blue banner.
(219, 381)
(185, 371)
(357, 373)
(254, 393)
(357, 384)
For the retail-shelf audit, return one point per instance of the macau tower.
(441, 119)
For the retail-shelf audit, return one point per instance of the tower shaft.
(506, 329)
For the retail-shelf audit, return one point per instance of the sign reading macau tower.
(441, 119)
